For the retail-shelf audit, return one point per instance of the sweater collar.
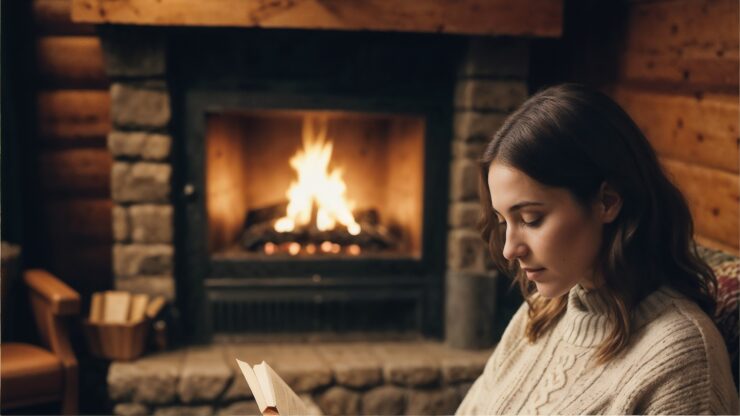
(586, 323)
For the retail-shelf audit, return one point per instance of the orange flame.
(316, 186)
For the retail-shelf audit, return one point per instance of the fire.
(316, 188)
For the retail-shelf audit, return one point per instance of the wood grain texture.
(87, 266)
(482, 17)
(686, 42)
(54, 17)
(701, 130)
(81, 220)
(71, 61)
(716, 245)
(76, 172)
(713, 197)
(74, 115)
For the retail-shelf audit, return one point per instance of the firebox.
(315, 187)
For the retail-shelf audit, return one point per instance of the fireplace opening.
(373, 112)
(305, 184)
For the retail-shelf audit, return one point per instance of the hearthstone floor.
(408, 377)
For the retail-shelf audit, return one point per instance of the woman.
(616, 318)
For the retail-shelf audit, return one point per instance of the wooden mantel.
(535, 18)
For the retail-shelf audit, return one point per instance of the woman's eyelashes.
(532, 223)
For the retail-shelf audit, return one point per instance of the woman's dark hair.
(572, 137)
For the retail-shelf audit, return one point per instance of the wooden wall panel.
(678, 79)
(71, 61)
(74, 115)
(81, 220)
(713, 197)
(687, 42)
(479, 17)
(701, 130)
(55, 17)
(80, 172)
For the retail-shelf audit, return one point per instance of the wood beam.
(539, 18)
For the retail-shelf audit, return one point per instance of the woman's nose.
(514, 247)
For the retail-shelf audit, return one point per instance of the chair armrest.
(62, 299)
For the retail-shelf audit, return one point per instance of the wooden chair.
(33, 375)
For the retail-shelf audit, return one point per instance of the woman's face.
(553, 238)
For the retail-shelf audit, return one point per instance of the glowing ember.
(270, 248)
(354, 249)
(316, 188)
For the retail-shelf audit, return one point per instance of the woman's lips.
(533, 274)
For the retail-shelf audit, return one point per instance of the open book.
(272, 393)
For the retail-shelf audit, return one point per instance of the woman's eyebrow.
(521, 205)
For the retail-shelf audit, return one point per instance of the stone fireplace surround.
(490, 82)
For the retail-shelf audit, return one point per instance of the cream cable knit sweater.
(676, 363)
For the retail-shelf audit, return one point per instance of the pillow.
(726, 315)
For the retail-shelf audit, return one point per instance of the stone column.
(141, 147)
(491, 84)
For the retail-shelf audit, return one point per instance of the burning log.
(259, 230)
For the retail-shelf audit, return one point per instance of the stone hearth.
(413, 377)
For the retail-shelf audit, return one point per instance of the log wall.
(73, 121)
(677, 76)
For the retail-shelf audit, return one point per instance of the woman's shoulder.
(680, 348)
(681, 322)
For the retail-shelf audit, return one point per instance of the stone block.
(475, 126)
(466, 251)
(120, 223)
(462, 369)
(142, 259)
(184, 411)
(151, 379)
(205, 375)
(135, 106)
(464, 178)
(303, 369)
(140, 182)
(433, 402)
(133, 51)
(469, 308)
(338, 400)
(163, 285)
(248, 407)
(489, 95)
(411, 373)
(151, 223)
(496, 57)
(358, 375)
(464, 214)
(130, 409)
(384, 400)
(353, 364)
(139, 144)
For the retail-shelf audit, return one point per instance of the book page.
(288, 402)
(254, 385)
(116, 306)
(138, 307)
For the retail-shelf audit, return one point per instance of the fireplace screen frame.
(204, 280)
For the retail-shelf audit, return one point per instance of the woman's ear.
(609, 203)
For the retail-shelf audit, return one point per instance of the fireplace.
(372, 262)
(212, 127)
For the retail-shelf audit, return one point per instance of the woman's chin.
(550, 290)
